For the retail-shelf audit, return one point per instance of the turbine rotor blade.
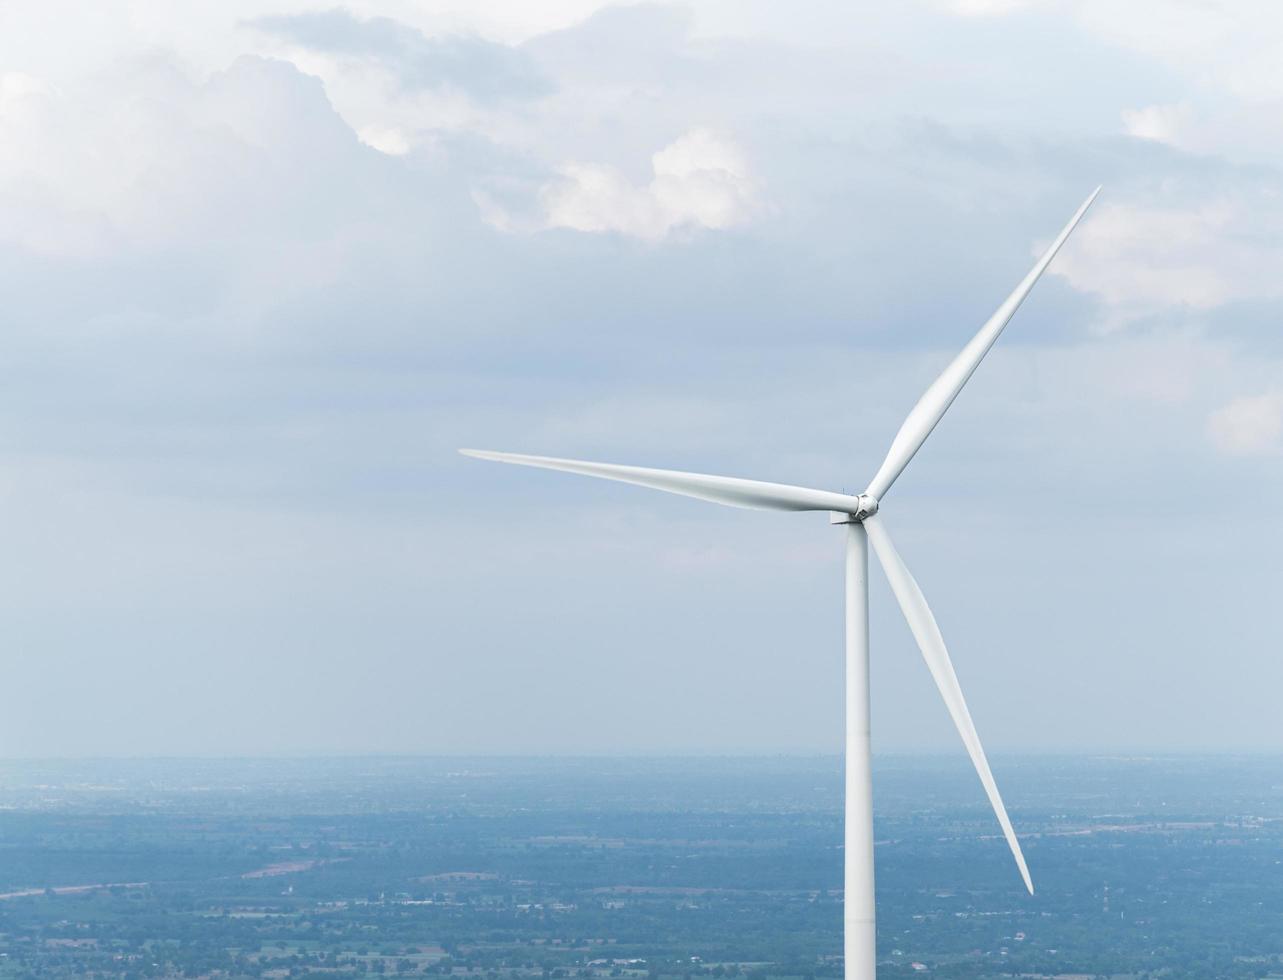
(923, 626)
(727, 490)
(940, 395)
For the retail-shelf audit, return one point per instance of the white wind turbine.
(859, 514)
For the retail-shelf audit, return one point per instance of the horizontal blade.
(937, 398)
(923, 625)
(727, 490)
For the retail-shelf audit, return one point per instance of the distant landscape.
(593, 868)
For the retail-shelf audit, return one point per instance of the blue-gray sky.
(265, 265)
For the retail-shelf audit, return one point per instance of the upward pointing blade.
(936, 400)
(728, 490)
(923, 625)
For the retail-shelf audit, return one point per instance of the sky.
(266, 265)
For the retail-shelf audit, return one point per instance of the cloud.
(252, 307)
(386, 139)
(1248, 426)
(483, 69)
(15, 88)
(143, 156)
(630, 44)
(1162, 123)
(988, 8)
(1227, 46)
(701, 180)
(1144, 259)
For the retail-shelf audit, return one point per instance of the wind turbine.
(859, 514)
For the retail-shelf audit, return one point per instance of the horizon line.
(1061, 753)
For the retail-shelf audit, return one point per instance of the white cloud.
(386, 139)
(16, 88)
(1147, 259)
(236, 304)
(1161, 123)
(1230, 46)
(988, 8)
(701, 180)
(1144, 257)
(1248, 426)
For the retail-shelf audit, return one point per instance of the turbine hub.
(868, 506)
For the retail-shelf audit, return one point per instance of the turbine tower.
(859, 515)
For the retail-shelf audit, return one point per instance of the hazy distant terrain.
(649, 867)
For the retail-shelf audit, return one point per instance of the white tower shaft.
(860, 945)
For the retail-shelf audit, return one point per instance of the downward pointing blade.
(728, 490)
(936, 400)
(923, 625)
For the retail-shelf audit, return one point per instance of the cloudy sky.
(266, 264)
